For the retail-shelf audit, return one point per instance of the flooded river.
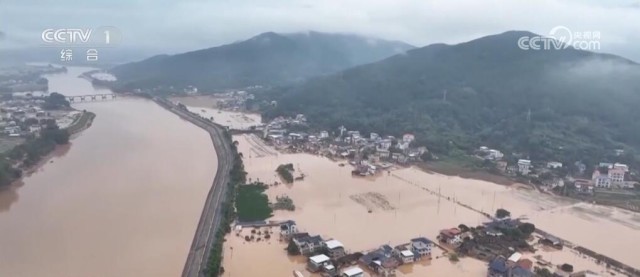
(123, 199)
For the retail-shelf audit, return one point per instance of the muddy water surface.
(124, 200)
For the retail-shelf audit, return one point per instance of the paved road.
(211, 214)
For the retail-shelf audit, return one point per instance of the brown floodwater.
(364, 213)
(123, 200)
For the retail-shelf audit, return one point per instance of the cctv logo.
(66, 36)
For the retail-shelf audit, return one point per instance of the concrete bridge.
(91, 97)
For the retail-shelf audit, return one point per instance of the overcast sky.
(163, 26)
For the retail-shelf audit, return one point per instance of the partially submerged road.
(212, 213)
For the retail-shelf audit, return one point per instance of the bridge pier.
(91, 97)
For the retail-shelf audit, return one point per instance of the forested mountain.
(548, 104)
(267, 59)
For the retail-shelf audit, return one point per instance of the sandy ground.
(404, 205)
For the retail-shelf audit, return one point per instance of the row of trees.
(238, 176)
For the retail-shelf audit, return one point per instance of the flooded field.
(391, 208)
(205, 106)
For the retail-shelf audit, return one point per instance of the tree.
(542, 272)
(566, 268)
(502, 213)
(453, 257)
(292, 249)
(463, 228)
(527, 228)
(55, 101)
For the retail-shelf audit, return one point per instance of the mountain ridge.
(265, 59)
(484, 91)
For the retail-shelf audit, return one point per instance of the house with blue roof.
(498, 267)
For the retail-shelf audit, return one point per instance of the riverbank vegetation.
(252, 203)
(30, 152)
(237, 177)
(83, 122)
(284, 170)
(8, 174)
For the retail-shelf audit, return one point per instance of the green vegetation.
(237, 177)
(454, 98)
(284, 170)
(55, 101)
(292, 249)
(542, 272)
(85, 119)
(284, 203)
(267, 59)
(30, 152)
(453, 257)
(502, 213)
(7, 173)
(527, 228)
(566, 268)
(251, 202)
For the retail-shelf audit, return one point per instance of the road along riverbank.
(212, 212)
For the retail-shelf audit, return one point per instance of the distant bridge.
(91, 97)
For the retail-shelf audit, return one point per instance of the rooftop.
(319, 259)
(421, 240)
(498, 265)
(333, 244)
(406, 253)
(515, 257)
(353, 271)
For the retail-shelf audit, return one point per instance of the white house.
(616, 175)
(407, 256)
(34, 128)
(553, 165)
(353, 272)
(384, 144)
(524, 166)
(403, 145)
(422, 246)
(317, 262)
(324, 134)
(334, 248)
(408, 138)
(620, 166)
(601, 180)
(494, 154)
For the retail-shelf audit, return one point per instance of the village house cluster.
(23, 115)
(330, 257)
(507, 245)
(605, 175)
(234, 100)
(367, 153)
(502, 242)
